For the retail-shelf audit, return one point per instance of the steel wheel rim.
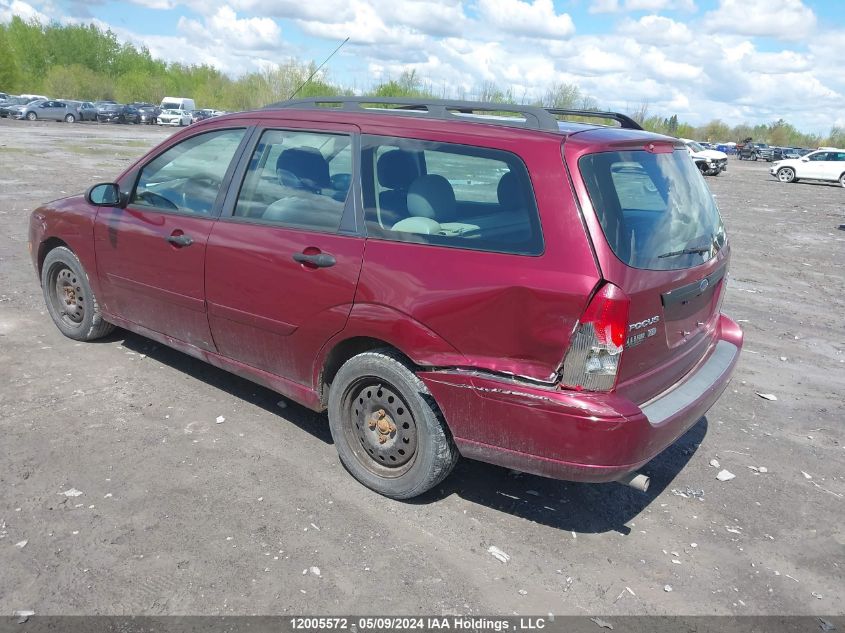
(67, 296)
(379, 427)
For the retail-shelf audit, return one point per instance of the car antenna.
(311, 76)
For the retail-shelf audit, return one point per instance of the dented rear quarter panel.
(501, 312)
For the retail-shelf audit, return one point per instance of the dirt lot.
(179, 514)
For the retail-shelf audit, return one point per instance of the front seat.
(303, 168)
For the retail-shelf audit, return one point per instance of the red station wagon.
(446, 278)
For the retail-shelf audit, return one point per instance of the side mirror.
(105, 194)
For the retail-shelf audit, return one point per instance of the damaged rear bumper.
(578, 436)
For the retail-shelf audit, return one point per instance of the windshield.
(655, 209)
(695, 146)
(170, 105)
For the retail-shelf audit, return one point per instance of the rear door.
(151, 254)
(659, 238)
(284, 259)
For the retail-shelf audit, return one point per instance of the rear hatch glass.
(661, 221)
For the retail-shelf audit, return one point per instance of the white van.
(178, 103)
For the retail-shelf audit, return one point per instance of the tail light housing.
(595, 351)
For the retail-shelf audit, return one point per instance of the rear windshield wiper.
(697, 250)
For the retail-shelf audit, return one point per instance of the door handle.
(180, 240)
(317, 260)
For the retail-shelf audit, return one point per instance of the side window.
(446, 194)
(819, 156)
(297, 179)
(187, 177)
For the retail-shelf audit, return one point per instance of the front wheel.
(70, 118)
(387, 428)
(786, 174)
(70, 300)
(32, 116)
(842, 180)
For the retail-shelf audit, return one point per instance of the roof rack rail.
(533, 117)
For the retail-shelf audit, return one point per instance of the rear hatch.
(659, 238)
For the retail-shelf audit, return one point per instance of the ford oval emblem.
(703, 285)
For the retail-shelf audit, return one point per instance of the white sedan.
(174, 117)
(826, 164)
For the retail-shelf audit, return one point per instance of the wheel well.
(45, 247)
(341, 353)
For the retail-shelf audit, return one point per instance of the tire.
(754, 157)
(70, 118)
(65, 284)
(786, 174)
(842, 180)
(406, 450)
(31, 116)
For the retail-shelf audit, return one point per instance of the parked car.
(201, 115)
(443, 284)
(46, 110)
(148, 112)
(10, 104)
(710, 162)
(753, 151)
(825, 165)
(791, 152)
(174, 117)
(85, 109)
(118, 113)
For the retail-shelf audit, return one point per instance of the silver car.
(46, 109)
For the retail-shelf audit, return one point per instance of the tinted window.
(449, 195)
(819, 156)
(655, 209)
(187, 177)
(297, 179)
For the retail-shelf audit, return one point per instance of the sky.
(736, 60)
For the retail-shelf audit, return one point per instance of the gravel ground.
(180, 515)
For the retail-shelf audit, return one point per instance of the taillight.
(592, 361)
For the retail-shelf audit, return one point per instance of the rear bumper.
(578, 436)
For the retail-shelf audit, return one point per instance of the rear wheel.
(70, 300)
(842, 180)
(786, 174)
(70, 118)
(387, 429)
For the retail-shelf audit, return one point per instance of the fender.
(419, 343)
(76, 228)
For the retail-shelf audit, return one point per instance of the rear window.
(656, 211)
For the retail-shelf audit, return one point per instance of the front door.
(815, 165)
(151, 254)
(284, 258)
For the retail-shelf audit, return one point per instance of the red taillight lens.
(592, 361)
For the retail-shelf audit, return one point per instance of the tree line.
(82, 61)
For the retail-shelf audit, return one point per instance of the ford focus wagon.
(445, 278)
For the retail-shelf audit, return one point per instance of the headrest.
(303, 168)
(397, 169)
(509, 192)
(431, 196)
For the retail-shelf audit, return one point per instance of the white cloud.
(615, 6)
(23, 10)
(226, 29)
(657, 29)
(161, 5)
(530, 19)
(782, 19)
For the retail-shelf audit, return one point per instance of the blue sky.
(736, 60)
